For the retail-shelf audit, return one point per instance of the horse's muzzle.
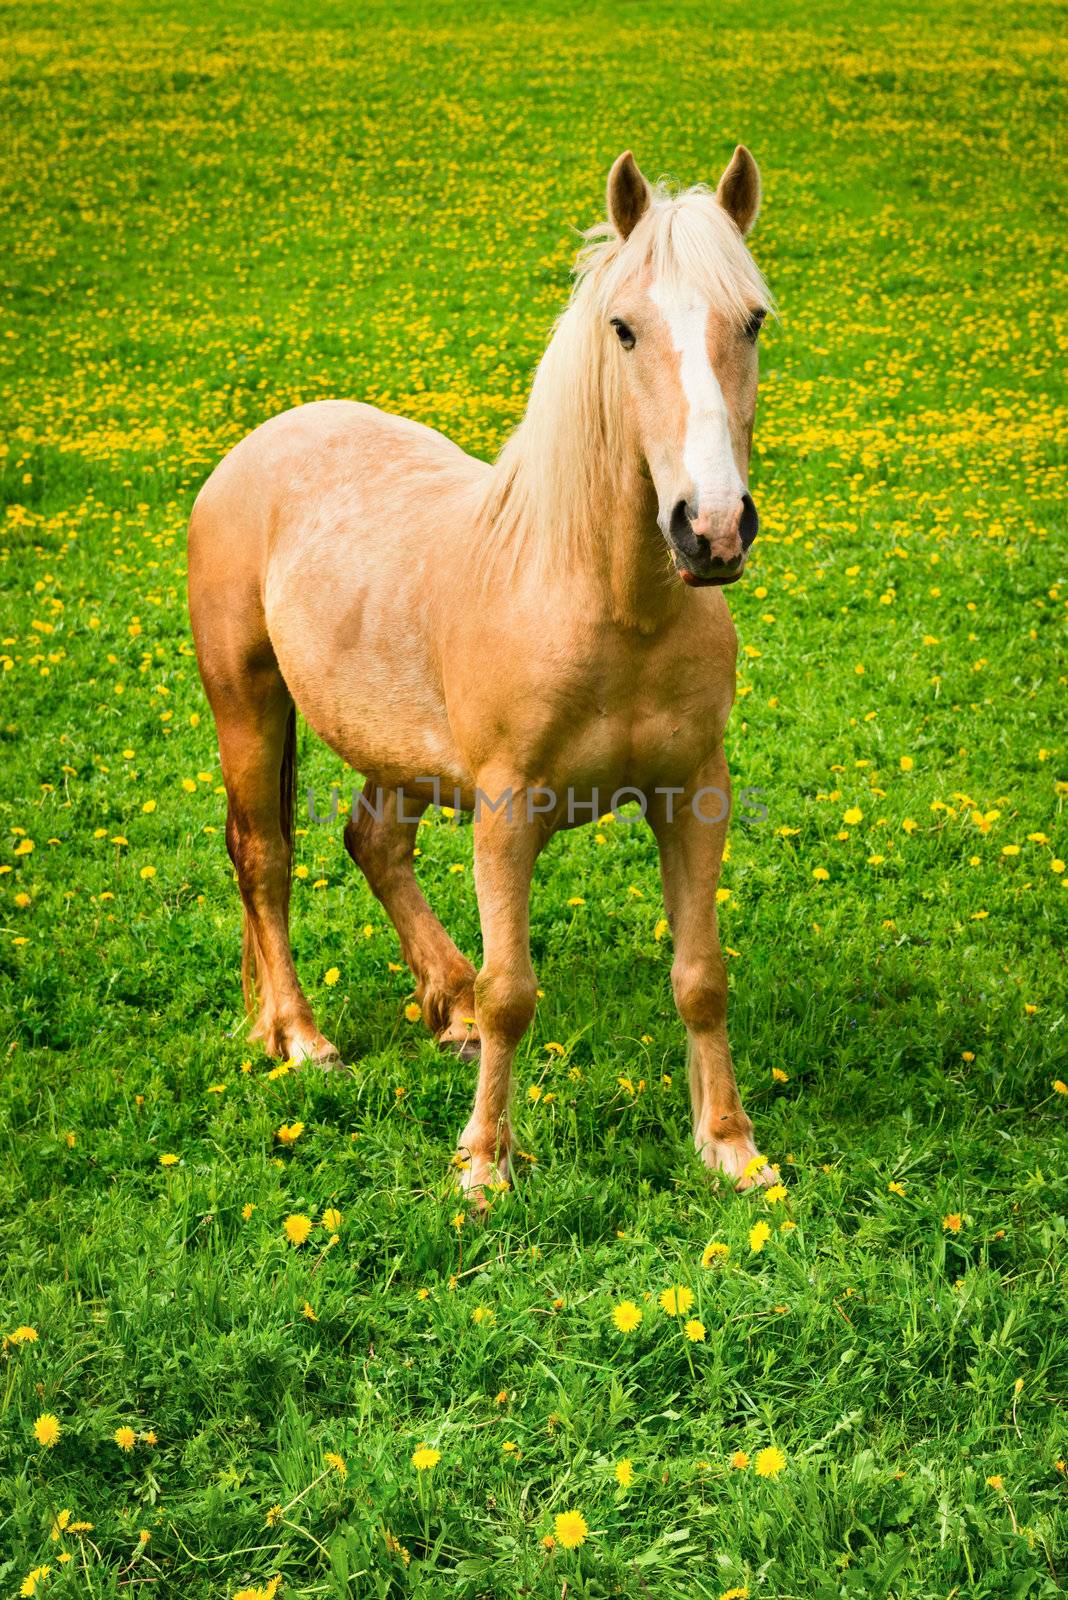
(707, 555)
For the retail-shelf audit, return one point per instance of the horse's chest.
(632, 725)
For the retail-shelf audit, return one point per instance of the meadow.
(252, 1343)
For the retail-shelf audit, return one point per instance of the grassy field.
(210, 214)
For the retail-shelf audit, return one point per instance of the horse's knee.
(700, 990)
(505, 1002)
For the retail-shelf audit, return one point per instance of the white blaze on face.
(707, 455)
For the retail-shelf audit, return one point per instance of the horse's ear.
(739, 189)
(628, 195)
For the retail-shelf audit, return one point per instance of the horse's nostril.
(680, 521)
(683, 536)
(749, 523)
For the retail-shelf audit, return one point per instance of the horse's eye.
(754, 325)
(623, 333)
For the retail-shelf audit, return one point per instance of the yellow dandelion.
(740, 1460)
(331, 1219)
(289, 1133)
(759, 1234)
(425, 1458)
(625, 1472)
(675, 1301)
(125, 1438)
(776, 1194)
(695, 1330)
(337, 1462)
(24, 1335)
(571, 1529)
(952, 1222)
(46, 1430)
(169, 1161)
(626, 1316)
(297, 1228)
(331, 975)
(769, 1463)
(412, 1011)
(714, 1254)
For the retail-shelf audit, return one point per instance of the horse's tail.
(287, 802)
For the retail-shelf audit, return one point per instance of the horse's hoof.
(736, 1162)
(317, 1052)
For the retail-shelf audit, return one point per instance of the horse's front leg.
(691, 844)
(506, 848)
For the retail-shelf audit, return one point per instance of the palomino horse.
(551, 624)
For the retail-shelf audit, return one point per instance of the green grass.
(211, 214)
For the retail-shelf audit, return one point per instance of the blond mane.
(567, 459)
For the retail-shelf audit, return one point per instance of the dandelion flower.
(571, 1529)
(24, 1335)
(125, 1438)
(769, 1463)
(695, 1331)
(776, 1194)
(308, 1310)
(412, 1011)
(33, 1580)
(337, 1462)
(169, 1161)
(952, 1222)
(759, 1234)
(740, 1460)
(289, 1133)
(331, 975)
(46, 1429)
(297, 1228)
(425, 1458)
(676, 1301)
(625, 1472)
(626, 1316)
(274, 1515)
(714, 1254)
(331, 1219)
(996, 1481)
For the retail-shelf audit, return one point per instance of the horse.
(550, 625)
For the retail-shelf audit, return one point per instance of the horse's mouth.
(710, 573)
(709, 580)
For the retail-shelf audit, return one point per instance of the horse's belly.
(363, 679)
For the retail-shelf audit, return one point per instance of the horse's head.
(683, 306)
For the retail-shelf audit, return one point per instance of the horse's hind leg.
(382, 842)
(257, 742)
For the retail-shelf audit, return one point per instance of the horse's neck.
(638, 588)
(600, 545)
